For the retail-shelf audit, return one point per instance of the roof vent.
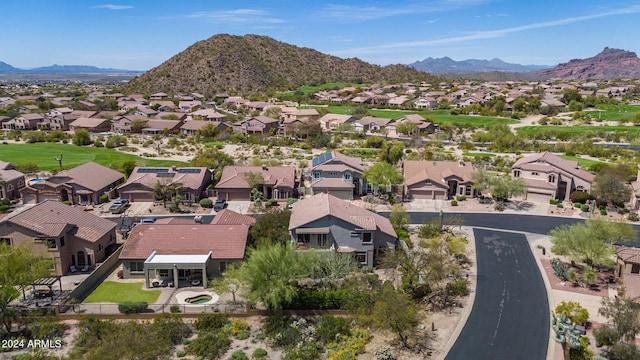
(265, 168)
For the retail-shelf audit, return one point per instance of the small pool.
(35, 181)
(200, 299)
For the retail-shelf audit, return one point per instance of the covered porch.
(169, 269)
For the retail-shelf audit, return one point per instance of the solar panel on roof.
(320, 159)
(153, 170)
(189, 171)
(163, 174)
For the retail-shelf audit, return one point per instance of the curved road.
(510, 314)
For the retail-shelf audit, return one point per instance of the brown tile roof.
(416, 171)
(92, 176)
(322, 205)
(188, 178)
(51, 218)
(163, 124)
(85, 122)
(233, 176)
(547, 161)
(224, 241)
(628, 254)
(335, 183)
(176, 221)
(230, 217)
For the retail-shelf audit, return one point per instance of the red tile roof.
(230, 217)
(53, 218)
(224, 241)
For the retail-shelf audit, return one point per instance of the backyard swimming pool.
(189, 297)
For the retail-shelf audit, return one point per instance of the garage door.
(29, 199)
(141, 197)
(440, 195)
(538, 198)
(422, 194)
(44, 197)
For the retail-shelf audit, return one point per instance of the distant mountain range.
(608, 64)
(446, 65)
(63, 69)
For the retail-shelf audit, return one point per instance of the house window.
(516, 173)
(99, 247)
(163, 273)
(316, 175)
(361, 257)
(366, 238)
(304, 238)
(224, 265)
(136, 266)
(51, 244)
(552, 178)
(5, 240)
(535, 173)
(333, 173)
(461, 190)
(9, 187)
(322, 240)
(20, 183)
(61, 241)
(635, 269)
(468, 190)
(347, 176)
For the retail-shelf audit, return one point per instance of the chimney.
(173, 167)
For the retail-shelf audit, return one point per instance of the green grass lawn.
(615, 112)
(585, 163)
(478, 155)
(43, 154)
(116, 292)
(576, 130)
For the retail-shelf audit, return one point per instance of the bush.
(454, 203)
(330, 327)
(206, 203)
(580, 196)
(103, 198)
(554, 201)
(174, 309)
(259, 354)
(603, 211)
(210, 344)
(211, 322)
(499, 206)
(4, 208)
(180, 353)
(133, 308)
(461, 198)
(560, 269)
(239, 355)
(271, 202)
(584, 208)
(633, 217)
(385, 353)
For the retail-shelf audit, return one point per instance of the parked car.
(219, 204)
(148, 220)
(119, 206)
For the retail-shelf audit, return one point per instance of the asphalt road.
(510, 314)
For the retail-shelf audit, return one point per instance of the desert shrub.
(206, 203)
(461, 198)
(560, 269)
(259, 354)
(603, 211)
(633, 217)
(239, 329)
(499, 206)
(174, 309)
(132, 307)
(348, 346)
(580, 196)
(103, 198)
(211, 322)
(239, 355)
(181, 353)
(271, 202)
(209, 344)
(459, 287)
(584, 208)
(385, 353)
(554, 201)
(4, 208)
(330, 327)
(454, 202)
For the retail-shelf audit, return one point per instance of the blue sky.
(141, 34)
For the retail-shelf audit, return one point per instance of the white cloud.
(365, 13)
(488, 34)
(113, 7)
(237, 16)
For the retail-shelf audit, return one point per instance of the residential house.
(25, 122)
(256, 125)
(142, 181)
(145, 111)
(372, 124)
(191, 253)
(627, 270)
(333, 121)
(279, 182)
(188, 106)
(426, 103)
(83, 184)
(423, 126)
(439, 180)
(339, 175)
(158, 96)
(11, 181)
(191, 126)
(325, 222)
(67, 234)
(549, 176)
(300, 114)
(164, 105)
(93, 125)
(154, 126)
(208, 115)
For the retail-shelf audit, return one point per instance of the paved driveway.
(510, 315)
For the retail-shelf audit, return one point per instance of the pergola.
(48, 282)
(174, 263)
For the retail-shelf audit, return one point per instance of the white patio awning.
(318, 230)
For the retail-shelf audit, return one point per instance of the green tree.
(501, 187)
(208, 132)
(391, 152)
(213, 159)
(19, 267)
(407, 128)
(619, 333)
(608, 186)
(270, 228)
(574, 311)
(382, 174)
(591, 241)
(81, 137)
(394, 310)
(127, 167)
(137, 126)
(228, 282)
(329, 265)
(166, 190)
(270, 275)
(399, 217)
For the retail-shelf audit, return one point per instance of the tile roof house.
(11, 181)
(66, 234)
(279, 182)
(83, 184)
(333, 121)
(155, 126)
(190, 127)
(24, 122)
(628, 270)
(256, 125)
(230, 217)
(440, 180)
(373, 124)
(142, 181)
(338, 174)
(168, 253)
(549, 176)
(94, 125)
(325, 222)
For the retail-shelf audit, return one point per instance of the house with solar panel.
(337, 174)
(142, 181)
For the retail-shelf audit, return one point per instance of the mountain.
(63, 69)
(447, 65)
(609, 64)
(8, 69)
(253, 63)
